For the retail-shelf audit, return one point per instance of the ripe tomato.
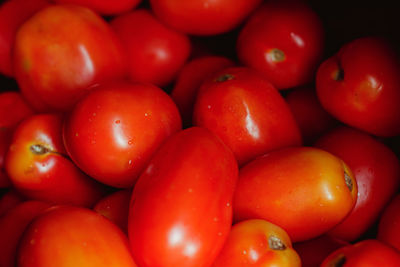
(203, 17)
(246, 112)
(376, 170)
(180, 211)
(71, 236)
(360, 86)
(155, 53)
(388, 228)
(13, 108)
(9, 199)
(104, 7)
(62, 51)
(284, 41)
(304, 190)
(257, 243)
(114, 130)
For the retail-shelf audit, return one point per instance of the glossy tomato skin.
(257, 243)
(155, 53)
(189, 80)
(114, 130)
(104, 7)
(180, 211)
(284, 41)
(360, 86)
(388, 227)
(376, 170)
(13, 13)
(203, 17)
(366, 253)
(38, 167)
(304, 190)
(12, 226)
(71, 236)
(246, 112)
(61, 52)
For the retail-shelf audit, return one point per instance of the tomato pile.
(198, 133)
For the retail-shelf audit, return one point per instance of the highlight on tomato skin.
(304, 190)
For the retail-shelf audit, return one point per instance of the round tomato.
(104, 7)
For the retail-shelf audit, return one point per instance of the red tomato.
(73, 237)
(246, 112)
(312, 119)
(257, 243)
(155, 53)
(360, 86)
(37, 165)
(13, 108)
(5, 140)
(61, 52)
(12, 226)
(284, 41)
(12, 14)
(366, 253)
(190, 79)
(304, 190)
(376, 170)
(203, 17)
(8, 200)
(104, 7)
(180, 211)
(114, 130)
(389, 224)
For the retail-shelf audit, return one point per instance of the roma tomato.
(114, 130)
(365, 253)
(62, 51)
(71, 236)
(376, 170)
(104, 7)
(246, 112)
(304, 190)
(203, 17)
(39, 168)
(388, 227)
(257, 243)
(284, 41)
(181, 212)
(155, 53)
(360, 86)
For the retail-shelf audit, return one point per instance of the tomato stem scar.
(275, 243)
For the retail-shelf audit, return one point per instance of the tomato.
(12, 226)
(104, 7)
(257, 243)
(389, 221)
(155, 53)
(8, 200)
(38, 167)
(366, 253)
(246, 112)
(190, 79)
(112, 132)
(5, 140)
(284, 41)
(180, 212)
(71, 236)
(203, 17)
(304, 190)
(13, 108)
(360, 86)
(12, 14)
(61, 52)
(376, 170)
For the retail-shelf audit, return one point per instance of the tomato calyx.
(277, 55)
(39, 149)
(275, 243)
(225, 77)
(338, 75)
(348, 181)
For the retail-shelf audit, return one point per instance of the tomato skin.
(8, 200)
(190, 79)
(13, 109)
(37, 165)
(290, 27)
(366, 253)
(5, 140)
(104, 7)
(203, 17)
(257, 243)
(69, 236)
(388, 227)
(12, 14)
(360, 86)
(155, 53)
(376, 170)
(12, 226)
(61, 52)
(180, 211)
(114, 130)
(246, 112)
(301, 189)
